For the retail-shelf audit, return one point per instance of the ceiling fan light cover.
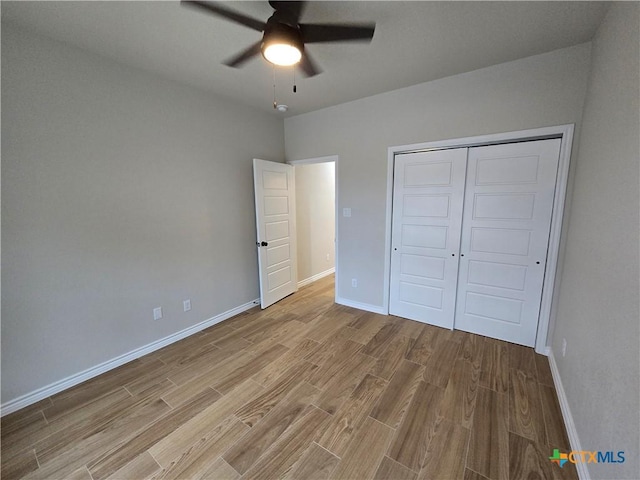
(282, 54)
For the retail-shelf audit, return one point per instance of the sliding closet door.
(505, 235)
(427, 214)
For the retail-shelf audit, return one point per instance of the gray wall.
(121, 192)
(598, 307)
(315, 218)
(538, 91)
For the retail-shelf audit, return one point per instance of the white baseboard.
(60, 385)
(361, 306)
(572, 433)
(543, 350)
(315, 277)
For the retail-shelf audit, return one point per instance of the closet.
(470, 234)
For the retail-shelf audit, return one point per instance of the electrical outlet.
(564, 347)
(186, 304)
(346, 212)
(354, 282)
(157, 313)
(327, 257)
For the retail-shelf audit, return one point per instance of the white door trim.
(307, 161)
(565, 133)
(325, 159)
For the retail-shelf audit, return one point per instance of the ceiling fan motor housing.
(277, 32)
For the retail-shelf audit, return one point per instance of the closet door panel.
(427, 215)
(505, 233)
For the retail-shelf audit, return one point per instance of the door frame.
(565, 133)
(327, 159)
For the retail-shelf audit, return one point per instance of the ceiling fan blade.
(292, 9)
(243, 56)
(318, 33)
(224, 12)
(308, 66)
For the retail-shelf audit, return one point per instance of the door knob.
(264, 244)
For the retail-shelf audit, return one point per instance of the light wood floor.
(306, 389)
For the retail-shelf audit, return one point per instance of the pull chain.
(275, 103)
(294, 79)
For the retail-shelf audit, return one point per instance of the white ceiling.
(414, 42)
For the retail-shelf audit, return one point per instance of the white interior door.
(276, 227)
(505, 235)
(427, 215)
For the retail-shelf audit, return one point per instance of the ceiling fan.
(284, 38)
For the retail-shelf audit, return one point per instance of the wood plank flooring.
(306, 389)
